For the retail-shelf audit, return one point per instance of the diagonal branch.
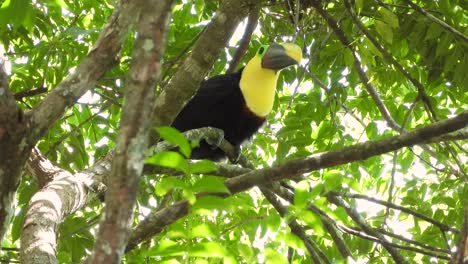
(387, 56)
(397, 257)
(245, 40)
(438, 21)
(441, 226)
(357, 65)
(316, 254)
(101, 58)
(357, 152)
(189, 75)
(62, 196)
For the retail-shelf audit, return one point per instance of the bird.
(237, 103)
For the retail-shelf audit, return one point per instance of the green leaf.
(202, 166)
(206, 204)
(301, 194)
(274, 257)
(174, 137)
(210, 184)
(202, 230)
(208, 249)
(385, 31)
(169, 159)
(167, 184)
(333, 179)
(389, 17)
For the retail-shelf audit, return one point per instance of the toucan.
(237, 103)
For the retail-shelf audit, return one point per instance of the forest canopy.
(363, 158)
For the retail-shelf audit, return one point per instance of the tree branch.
(437, 21)
(64, 195)
(360, 151)
(397, 257)
(13, 150)
(245, 41)
(101, 58)
(357, 65)
(388, 57)
(155, 222)
(132, 141)
(195, 67)
(316, 254)
(443, 227)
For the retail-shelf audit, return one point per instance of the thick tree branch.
(188, 77)
(61, 197)
(361, 151)
(13, 150)
(31, 92)
(132, 141)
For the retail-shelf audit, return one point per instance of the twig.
(440, 225)
(387, 56)
(31, 92)
(317, 255)
(357, 65)
(388, 244)
(245, 41)
(246, 221)
(437, 21)
(65, 136)
(357, 218)
(411, 241)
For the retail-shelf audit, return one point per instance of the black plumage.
(219, 103)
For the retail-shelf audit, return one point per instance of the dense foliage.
(418, 68)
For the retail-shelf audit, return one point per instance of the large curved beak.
(280, 56)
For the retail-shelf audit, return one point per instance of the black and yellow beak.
(280, 56)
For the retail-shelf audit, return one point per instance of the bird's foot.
(215, 142)
(236, 155)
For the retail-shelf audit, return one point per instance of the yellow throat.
(258, 86)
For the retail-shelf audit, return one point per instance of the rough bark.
(61, 197)
(132, 141)
(13, 149)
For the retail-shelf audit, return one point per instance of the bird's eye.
(261, 50)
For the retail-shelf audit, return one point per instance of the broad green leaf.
(174, 137)
(169, 159)
(301, 194)
(210, 184)
(274, 257)
(206, 204)
(202, 166)
(167, 184)
(385, 31)
(389, 17)
(202, 230)
(333, 180)
(208, 249)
